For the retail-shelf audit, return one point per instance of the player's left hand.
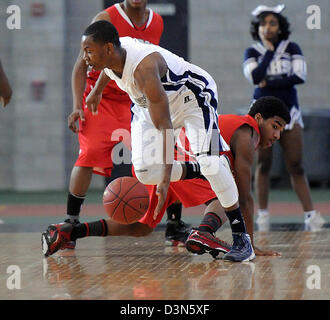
(262, 84)
(161, 193)
(259, 252)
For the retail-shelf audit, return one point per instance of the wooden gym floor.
(123, 268)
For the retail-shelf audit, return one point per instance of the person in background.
(275, 65)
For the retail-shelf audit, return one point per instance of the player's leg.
(202, 239)
(176, 230)
(57, 235)
(262, 180)
(146, 154)
(292, 144)
(201, 124)
(79, 183)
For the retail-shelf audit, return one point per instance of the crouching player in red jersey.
(260, 128)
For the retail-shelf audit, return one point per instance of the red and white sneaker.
(70, 244)
(55, 237)
(199, 242)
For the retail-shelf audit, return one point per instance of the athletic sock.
(89, 229)
(309, 214)
(211, 223)
(174, 211)
(263, 212)
(236, 221)
(73, 206)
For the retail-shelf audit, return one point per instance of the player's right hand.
(73, 117)
(92, 101)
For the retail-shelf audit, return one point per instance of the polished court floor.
(137, 269)
(123, 268)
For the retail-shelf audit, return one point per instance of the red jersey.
(195, 192)
(151, 31)
(229, 123)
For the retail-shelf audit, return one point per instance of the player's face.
(270, 131)
(269, 27)
(94, 53)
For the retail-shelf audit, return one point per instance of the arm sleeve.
(253, 71)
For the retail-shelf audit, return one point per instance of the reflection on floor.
(122, 268)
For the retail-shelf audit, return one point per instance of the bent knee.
(264, 166)
(296, 168)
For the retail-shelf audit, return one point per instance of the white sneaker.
(263, 222)
(314, 222)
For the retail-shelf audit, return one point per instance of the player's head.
(273, 26)
(271, 115)
(99, 42)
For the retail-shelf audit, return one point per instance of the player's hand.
(267, 44)
(92, 101)
(73, 117)
(161, 193)
(259, 252)
(262, 84)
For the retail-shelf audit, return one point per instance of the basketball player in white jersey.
(168, 93)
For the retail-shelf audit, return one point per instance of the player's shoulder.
(251, 52)
(157, 20)
(156, 16)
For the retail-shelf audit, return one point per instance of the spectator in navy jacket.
(275, 65)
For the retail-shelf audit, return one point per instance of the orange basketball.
(125, 200)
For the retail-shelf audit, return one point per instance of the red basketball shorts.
(191, 193)
(98, 134)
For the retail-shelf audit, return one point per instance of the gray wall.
(37, 150)
(33, 147)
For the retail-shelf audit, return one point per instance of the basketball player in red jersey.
(259, 129)
(96, 133)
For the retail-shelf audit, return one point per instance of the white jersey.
(181, 75)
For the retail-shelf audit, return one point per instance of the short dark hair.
(103, 31)
(284, 25)
(270, 107)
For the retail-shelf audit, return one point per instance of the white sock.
(263, 212)
(309, 214)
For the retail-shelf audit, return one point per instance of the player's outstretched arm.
(147, 75)
(243, 143)
(95, 96)
(78, 82)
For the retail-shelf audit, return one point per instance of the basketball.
(125, 200)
